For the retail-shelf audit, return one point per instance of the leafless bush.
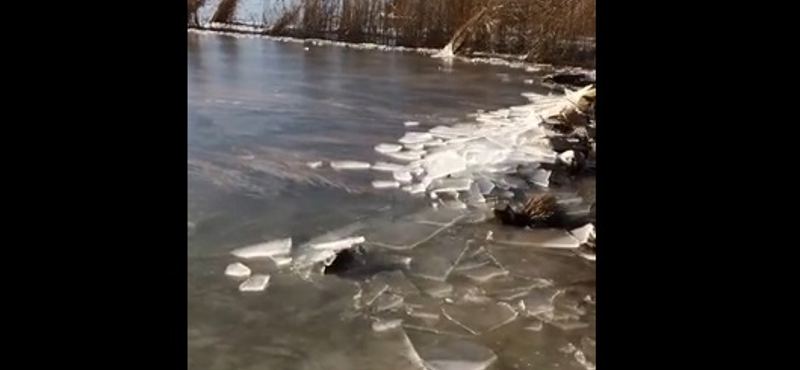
(225, 11)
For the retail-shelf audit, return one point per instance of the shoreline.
(505, 60)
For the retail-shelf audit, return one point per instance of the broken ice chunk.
(587, 255)
(543, 238)
(569, 348)
(435, 217)
(444, 163)
(437, 263)
(583, 233)
(384, 184)
(480, 318)
(435, 289)
(484, 273)
(539, 301)
(565, 324)
(387, 301)
(402, 176)
(454, 204)
(410, 123)
(415, 137)
(535, 326)
(407, 156)
(387, 167)
(384, 325)
(416, 171)
(579, 210)
(448, 185)
(268, 249)
(509, 288)
(281, 261)
(370, 292)
(397, 282)
(541, 177)
(412, 147)
(451, 353)
(388, 148)
(434, 143)
(316, 164)
(474, 196)
(337, 245)
(485, 186)
(255, 283)
(237, 269)
(567, 157)
(402, 235)
(349, 165)
(414, 189)
(580, 357)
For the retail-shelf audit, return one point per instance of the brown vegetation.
(557, 31)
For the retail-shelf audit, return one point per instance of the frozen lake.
(259, 111)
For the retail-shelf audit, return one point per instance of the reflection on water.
(259, 111)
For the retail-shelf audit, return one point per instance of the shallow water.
(259, 111)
